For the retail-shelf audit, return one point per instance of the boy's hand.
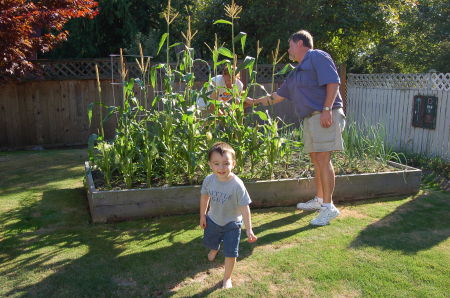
(203, 221)
(251, 237)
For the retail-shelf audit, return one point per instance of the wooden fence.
(50, 110)
(387, 99)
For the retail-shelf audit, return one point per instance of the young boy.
(228, 202)
(222, 84)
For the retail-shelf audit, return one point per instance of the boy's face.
(222, 165)
(227, 80)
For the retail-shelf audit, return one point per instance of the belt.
(318, 112)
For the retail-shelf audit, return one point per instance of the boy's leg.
(212, 236)
(231, 250)
(212, 254)
(229, 266)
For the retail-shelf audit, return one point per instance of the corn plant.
(166, 141)
(105, 160)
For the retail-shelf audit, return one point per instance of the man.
(313, 87)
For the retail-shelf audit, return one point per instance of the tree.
(342, 28)
(121, 24)
(28, 27)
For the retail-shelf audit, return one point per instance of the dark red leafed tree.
(28, 27)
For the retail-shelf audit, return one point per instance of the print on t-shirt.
(225, 96)
(219, 197)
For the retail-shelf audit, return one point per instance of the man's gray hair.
(305, 36)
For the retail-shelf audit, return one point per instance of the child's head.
(227, 77)
(221, 160)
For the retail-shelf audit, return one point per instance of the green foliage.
(167, 142)
(436, 170)
(120, 24)
(418, 41)
(368, 35)
(342, 28)
(163, 138)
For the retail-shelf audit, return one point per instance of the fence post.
(343, 86)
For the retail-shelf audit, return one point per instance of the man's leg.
(317, 179)
(325, 171)
(327, 179)
(315, 203)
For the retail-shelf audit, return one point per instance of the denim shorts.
(230, 234)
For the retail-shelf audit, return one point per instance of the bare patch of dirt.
(47, 230)
(200, 277)
(350, 212)
(36, 214)
(347, 294)
(124, 282)
(278, 246)
(385, 222)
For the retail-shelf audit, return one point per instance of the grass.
(392, 247)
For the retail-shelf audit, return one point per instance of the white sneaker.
(325, 215)
(313, 204)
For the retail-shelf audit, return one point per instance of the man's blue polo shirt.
(306, 84)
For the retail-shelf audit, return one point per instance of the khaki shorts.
(319, 139)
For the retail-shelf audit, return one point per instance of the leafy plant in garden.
(166, 141)
(163, 139)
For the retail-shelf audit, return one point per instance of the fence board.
(11, 115)
(25, 114)
(405, 116)
(446, 126)
(397, 118)
(390, 103)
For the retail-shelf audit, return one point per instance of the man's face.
(293, 50)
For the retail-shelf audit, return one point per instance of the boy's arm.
(204, 201)
(245, 210)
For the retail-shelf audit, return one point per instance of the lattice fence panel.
(434, 81)
(110, 68)
(264, 74)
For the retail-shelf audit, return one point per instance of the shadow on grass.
(21, 171)
(141, 258)
(416, 225)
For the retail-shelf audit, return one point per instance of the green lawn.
(394, 247)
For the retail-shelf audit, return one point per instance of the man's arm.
(332, 91)
(271, 99)
(326, 118)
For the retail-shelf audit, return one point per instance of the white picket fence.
(387, 99)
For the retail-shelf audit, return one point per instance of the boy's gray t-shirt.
(225, 198)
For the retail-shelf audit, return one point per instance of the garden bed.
(118, 205)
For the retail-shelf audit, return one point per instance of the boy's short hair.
(305, 36)
(226, 72)
(221, 148)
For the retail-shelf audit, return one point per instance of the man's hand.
(326, 119)
(249, 102)
(203, 221)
